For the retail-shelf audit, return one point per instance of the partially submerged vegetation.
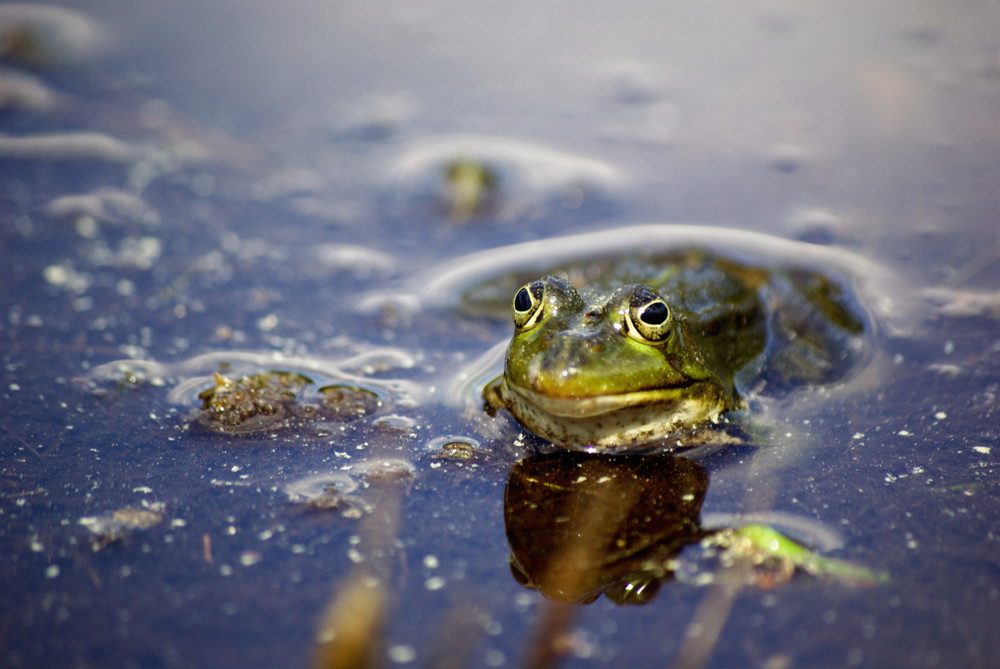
(276, 400)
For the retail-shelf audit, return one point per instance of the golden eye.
(527, 305)
(648, 318)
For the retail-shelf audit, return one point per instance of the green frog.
(636, 353)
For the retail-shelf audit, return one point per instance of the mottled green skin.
(578, 380)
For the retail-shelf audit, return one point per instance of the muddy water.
(201, 189)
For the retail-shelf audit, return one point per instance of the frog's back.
(787, 323)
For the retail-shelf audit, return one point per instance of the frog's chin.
(617, 421)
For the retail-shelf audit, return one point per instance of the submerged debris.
(775, 559)
(40, 36)
(250, 403)
(964, 303)
(453, 448)
(276, 400)
(344, 490)
(119, 524)
(327, 491)
(498, 179)
(472, 189)
(347, 402)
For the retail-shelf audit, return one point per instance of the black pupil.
(522, 301)
(654, 314)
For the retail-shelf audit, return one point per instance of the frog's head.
(612, 371)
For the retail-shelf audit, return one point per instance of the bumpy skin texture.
(581, 372)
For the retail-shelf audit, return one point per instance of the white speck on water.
(431, 561)
(985, 450)
(858, 435)
(940, 415)
(905, 433)
(267, 323)
(52, 571)
(402, 653)
(523, 601)
(435, 583)
(250, 558)
(949, 347)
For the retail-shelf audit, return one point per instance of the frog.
(635, 354)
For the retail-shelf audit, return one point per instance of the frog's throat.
(618, 421)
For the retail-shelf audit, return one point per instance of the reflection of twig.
(553, 621)
(350, 634)
(459, 631)
(713, 611)
(702, 633)
(206, 548)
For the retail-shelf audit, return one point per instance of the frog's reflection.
(581, 524)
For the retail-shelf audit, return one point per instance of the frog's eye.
(527, 305)
(648, 317)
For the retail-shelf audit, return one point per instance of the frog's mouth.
(615, 421)
(663, 399)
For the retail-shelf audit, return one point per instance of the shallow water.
(192, 189)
